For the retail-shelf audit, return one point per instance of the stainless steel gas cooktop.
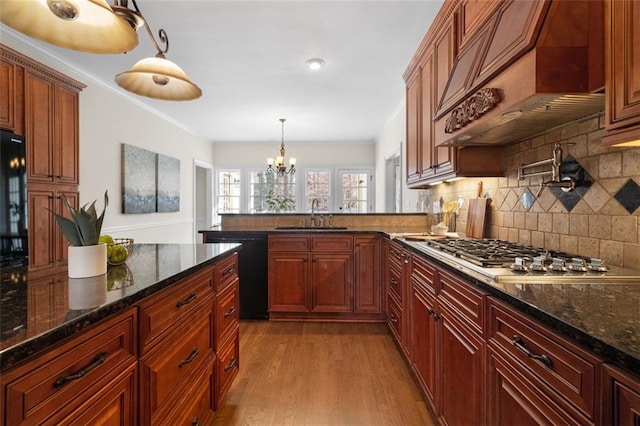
(506, 262)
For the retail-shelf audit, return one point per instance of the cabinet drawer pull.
(430, 312)
(231, 312)
(519, 343)
(194, 352)
(394, 281)
(186, 301)
(232, 364)
(97, 360)
(195, 422)
(228, 271)
(393, 319)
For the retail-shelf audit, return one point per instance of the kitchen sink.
(311, 228)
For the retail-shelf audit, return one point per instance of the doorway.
(393, 183)
(202, 198)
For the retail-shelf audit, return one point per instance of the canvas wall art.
(138, 180)
(168, 189)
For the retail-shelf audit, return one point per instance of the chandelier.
(277, 166)
(95, 26)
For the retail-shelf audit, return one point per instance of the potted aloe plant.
(87, 256)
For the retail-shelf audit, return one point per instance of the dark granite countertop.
(604, 318)
(36, 313)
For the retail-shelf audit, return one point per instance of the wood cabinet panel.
(332, 243)
(563, 371)
(225, 272)
(7, 94)
(622, 80)
(413, 133)
(368, 275)
(166, 368)
(289, 287)
(289, 243)
(331, 282)
(227, 314)
(161, 311)
(50, 387)
(66, 145)
(424, 339)
(463, 298)
(621, 405)
(228, 366)
(394, 318)
(39, 133)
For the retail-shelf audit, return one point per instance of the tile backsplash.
(599, 218)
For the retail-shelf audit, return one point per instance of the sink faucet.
(315, 203)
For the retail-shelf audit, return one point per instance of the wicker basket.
(127, 243)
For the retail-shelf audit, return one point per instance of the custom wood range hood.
(528, 67)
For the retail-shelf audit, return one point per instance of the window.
(318, 186)
(355, 191)
(228, 191)
(258, 190)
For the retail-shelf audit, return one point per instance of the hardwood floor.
(316, 374)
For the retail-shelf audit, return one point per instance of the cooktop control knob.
(598, 265)
(521, 264)
(558, 265)
(538, 264)
(578, 265)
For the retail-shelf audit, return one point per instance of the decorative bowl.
(119, 251)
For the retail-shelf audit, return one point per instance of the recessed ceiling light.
(315, 63)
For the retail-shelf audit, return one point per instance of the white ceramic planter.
(87, 293)
(87, 261)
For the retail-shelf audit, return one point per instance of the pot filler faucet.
(567, 183)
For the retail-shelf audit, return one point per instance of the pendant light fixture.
(84, 25)
(277, 166)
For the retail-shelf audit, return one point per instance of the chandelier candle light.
(278, 166)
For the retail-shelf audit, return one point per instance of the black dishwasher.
(252, 265)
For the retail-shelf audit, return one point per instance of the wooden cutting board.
(476, 217)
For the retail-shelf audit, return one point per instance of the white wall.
(109, 118)
(391, 140)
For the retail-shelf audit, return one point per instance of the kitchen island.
(155, 339)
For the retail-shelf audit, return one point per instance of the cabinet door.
(623, 59)
(413, 153)
(60, 241)
(462, 357)
(332, 282)
(425, 127)
(39, 132)
(41, 229)
(621, 397)
(511, 399)
(289, 282)
(7, 95)
(368, 288)
(65, 149)
(424, 341)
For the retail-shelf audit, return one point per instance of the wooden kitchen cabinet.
(50, 390)
(622, 85)
(427, 84)
(368, 275)
(397, 291)
(621, 399)
(11, 96)
(333, 277)
(47, 244)
(534, 372)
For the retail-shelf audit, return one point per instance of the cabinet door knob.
(189, 359)
(519, 343)
(97, 360)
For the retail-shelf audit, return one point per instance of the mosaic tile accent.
(527, 199)
(629, 196)
(570, 168)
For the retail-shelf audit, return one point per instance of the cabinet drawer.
(394, 284)
(289, 243)
(332, 243)
(227, 309)
(423, 274)
(566, 371)
(394, 317)
(397, 256)
(169, 306)
(167, 369)
(56, 383)
(468, 301)
(228, 367)
(196, 404)
(226, 271)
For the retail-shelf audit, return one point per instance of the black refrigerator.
(13, 200)
(252, 269)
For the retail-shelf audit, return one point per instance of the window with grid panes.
(281, 186)
(229, 191)
(355, 191)
(318, 186)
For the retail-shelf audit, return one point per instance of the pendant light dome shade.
(83, 25)
(158, 78)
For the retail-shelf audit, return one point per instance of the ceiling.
(248, 57)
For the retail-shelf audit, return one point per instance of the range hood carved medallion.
(472, 108)
(544, 61)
